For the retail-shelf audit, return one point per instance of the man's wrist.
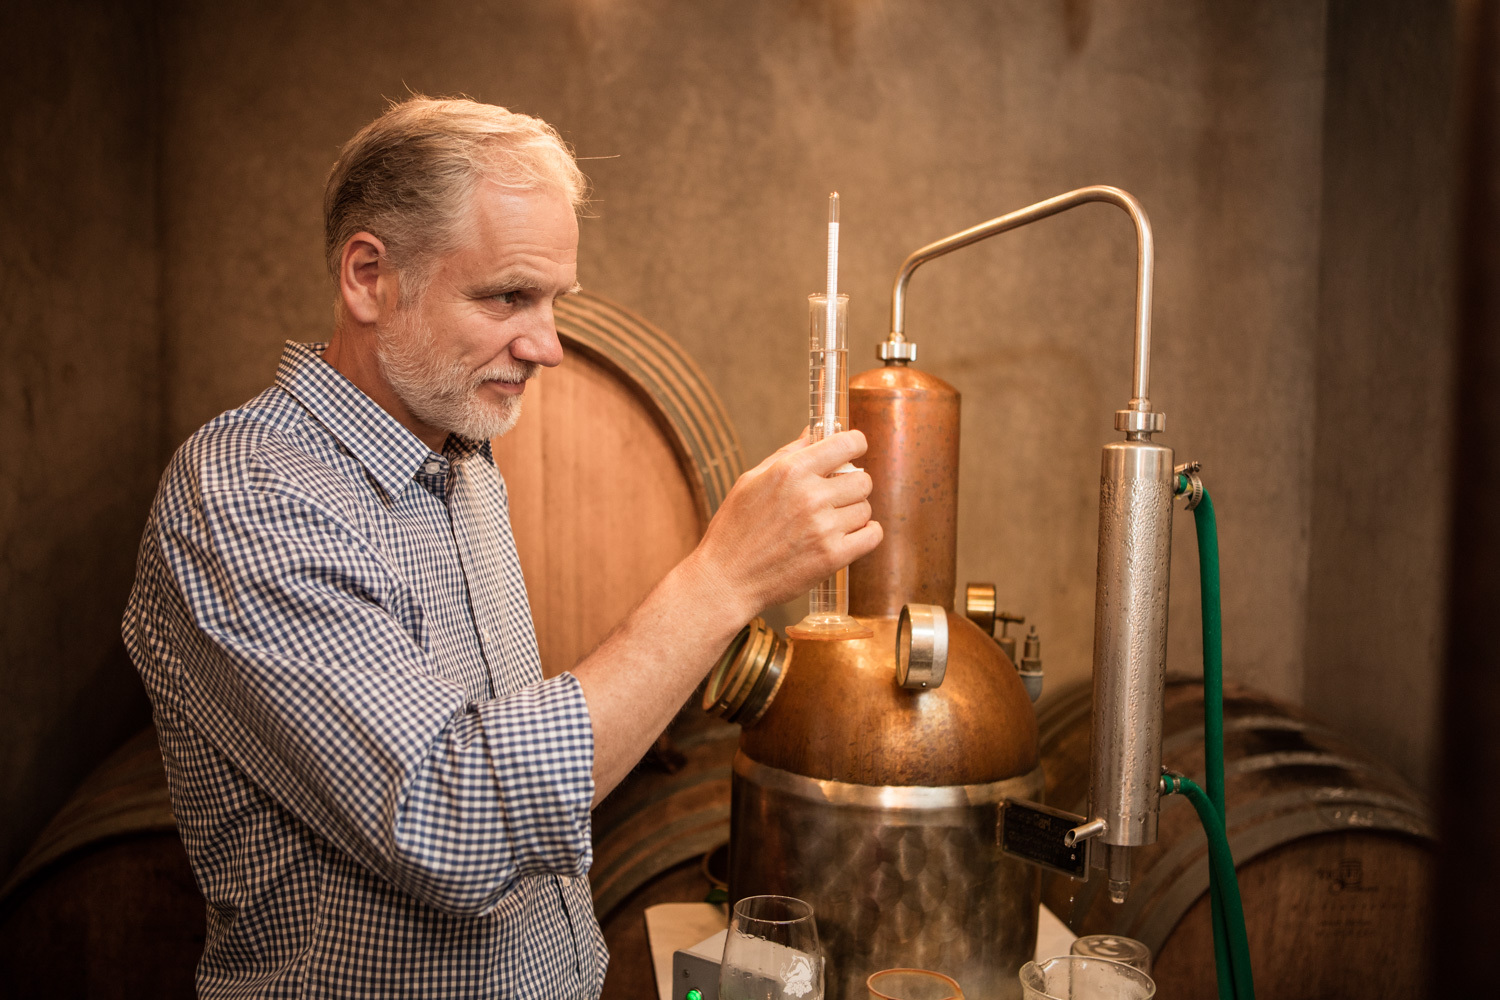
(712, 594)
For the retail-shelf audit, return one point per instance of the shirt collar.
(392, 454)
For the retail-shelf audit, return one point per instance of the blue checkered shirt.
(379, 793)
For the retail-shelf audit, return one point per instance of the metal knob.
(922, 646)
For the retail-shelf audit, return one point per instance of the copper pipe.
(910, 419)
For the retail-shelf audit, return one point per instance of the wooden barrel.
(104, 905)
(622, 455)
(1334, 853)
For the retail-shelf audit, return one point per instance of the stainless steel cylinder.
(1130, 645)
(897, 875)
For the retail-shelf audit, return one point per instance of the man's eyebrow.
(510, 281)
(515, 281)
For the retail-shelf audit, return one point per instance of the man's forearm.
(640, 675)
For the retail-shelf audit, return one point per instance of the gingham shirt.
(379, 793)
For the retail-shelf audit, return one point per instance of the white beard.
(445, 394)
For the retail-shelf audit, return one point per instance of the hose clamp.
(1194, 491)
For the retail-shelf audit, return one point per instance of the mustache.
(519, 371)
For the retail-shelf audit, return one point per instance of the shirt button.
(566, 880)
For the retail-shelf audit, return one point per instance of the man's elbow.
(467, 886)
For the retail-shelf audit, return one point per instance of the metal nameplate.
(1034, 832)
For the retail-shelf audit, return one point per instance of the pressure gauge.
(921, 646)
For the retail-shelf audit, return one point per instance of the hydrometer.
(828, 413)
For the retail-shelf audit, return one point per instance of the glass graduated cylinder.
(828, 367)
(828, 413)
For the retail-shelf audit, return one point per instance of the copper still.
(875, 802)
(877, 778)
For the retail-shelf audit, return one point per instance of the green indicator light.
(694, 995)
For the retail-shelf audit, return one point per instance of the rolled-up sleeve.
(286, 639)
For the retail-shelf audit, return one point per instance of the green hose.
(1240, 985)
(1231, 953)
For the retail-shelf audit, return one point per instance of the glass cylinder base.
(829, 627)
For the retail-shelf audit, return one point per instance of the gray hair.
(407, 177)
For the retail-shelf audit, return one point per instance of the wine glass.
(771, 952)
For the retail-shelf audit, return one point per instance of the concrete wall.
(713, 132)
(79, 390)
(1381, 468)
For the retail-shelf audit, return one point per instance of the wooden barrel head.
(1331, 916)
(621, 456)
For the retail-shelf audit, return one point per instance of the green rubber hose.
(1232, 964)
(1213, 703)
(1221, 865)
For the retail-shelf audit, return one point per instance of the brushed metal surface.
(1130, 639)
(920, 883)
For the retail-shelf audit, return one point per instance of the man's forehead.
(519, 238)
(503, 203)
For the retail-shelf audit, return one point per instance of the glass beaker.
(1076, 977)
(771, 951)
(912, 984)
(1127, 951)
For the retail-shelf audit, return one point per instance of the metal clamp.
(921, 646)
(1194, 492)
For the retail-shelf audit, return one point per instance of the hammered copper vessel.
(876, 803)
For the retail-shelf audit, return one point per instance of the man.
(379, 793)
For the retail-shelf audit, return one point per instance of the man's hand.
(788, 524)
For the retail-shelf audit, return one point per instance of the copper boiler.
(875, 802)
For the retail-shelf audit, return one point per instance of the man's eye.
(509, 298)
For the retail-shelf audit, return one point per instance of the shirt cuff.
(541, 746)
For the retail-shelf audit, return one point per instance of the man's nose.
(540, 342)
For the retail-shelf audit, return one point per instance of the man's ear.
(367, 282)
